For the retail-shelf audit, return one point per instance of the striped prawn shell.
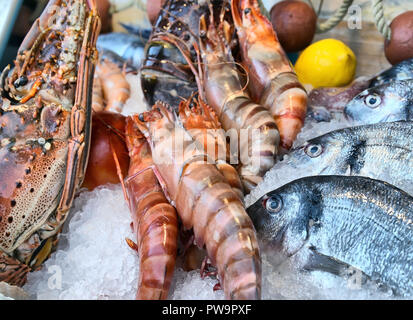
(203, 125)
(235, 109)
(274, 83)
(251, 118)
(286, 99)
(206, 203)
(155, 221)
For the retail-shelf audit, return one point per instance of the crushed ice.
(93, 261)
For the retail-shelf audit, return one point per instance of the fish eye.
(373, 100)
(313, 150)
(273, 204)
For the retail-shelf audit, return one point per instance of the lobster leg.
(33, 39)
(40, 25)
(13, 271)
(80, 117)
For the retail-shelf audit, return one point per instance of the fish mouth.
(270, 242)
(254, 211)
(261, 221)
(346, 113)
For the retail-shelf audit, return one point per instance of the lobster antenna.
(200, 75)
(177, 42)
(119, 172)
(118, 132)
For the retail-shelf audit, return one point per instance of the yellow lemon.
(326, 63)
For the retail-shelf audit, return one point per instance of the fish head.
(384, 103)
(281, 219)
(317, 155)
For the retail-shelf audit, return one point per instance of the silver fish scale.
(368, 226)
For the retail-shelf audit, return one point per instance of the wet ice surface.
(93, 261)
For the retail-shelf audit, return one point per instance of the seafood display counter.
(209, 150)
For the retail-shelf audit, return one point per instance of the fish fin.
(320, 262)
(143, 33)
(355, 277)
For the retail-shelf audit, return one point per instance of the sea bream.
(385, 103)
(332, 223)
(323, 102)
(381, 151)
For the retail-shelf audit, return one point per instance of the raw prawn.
(234, 107)
(111, 80)
(202, 124)
(273, 81)
(155, 221)
(205, 202)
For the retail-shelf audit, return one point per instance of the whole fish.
(324, 101)
(331, 223)
(381, 151)
(131, 48)
(385, 103)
